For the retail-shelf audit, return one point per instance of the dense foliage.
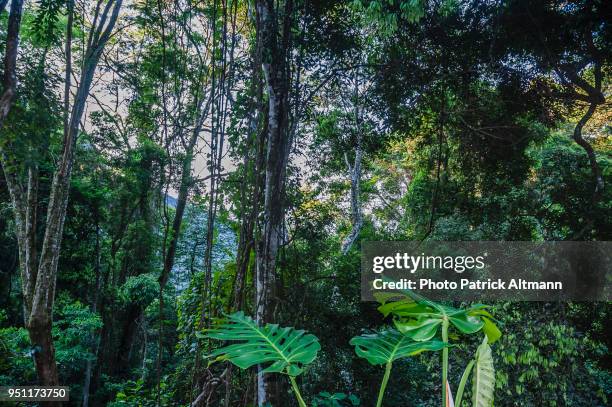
(175, 163)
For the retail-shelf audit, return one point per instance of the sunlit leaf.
(283, 350)
(389, 345)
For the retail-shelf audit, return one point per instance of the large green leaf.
(420, 319)
(286, 350)
(465, 323)
(389, 345)
(405, 298)
(404, 308)
(420, 329)
(483, 376)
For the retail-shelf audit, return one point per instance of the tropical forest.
(187, 185)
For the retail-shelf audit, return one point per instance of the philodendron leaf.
(483, 376)
(420, 329)
(404, 308)
(283, 350)
(420, 319)
(389, 345)
(423, 327)
(465, 323)
(407, 297)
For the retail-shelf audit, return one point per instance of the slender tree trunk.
(275, 42)
(143, 368)
(598, 182)
(184, 189)
(356, 211)
(246, 244)
(439, 160)
(94, 308)
(355, 175)
(250, 190)
(9, 81)
(596, 97)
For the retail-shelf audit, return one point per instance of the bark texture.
(274, 28)
(9, 80)
(354, 172)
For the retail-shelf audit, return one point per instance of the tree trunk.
(38, 274)
(44, 292)
(356, 212)
(184, 189)
(94, 308)
(39, 330)
(354, 172)
(275, 67)
(247, 237)
(596, 97)
(9, 82)
(250, 190)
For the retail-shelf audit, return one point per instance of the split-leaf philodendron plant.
(417, 321)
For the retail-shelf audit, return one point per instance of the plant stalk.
(298, 396)
(444, 360)
(464, 379)
(383, 385)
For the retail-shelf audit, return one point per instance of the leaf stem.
(444, 360)
(464, 379)
(383, 385)
(297, 392)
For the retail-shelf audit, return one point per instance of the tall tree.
(569, 45)
(39, 264)
(275, 24)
